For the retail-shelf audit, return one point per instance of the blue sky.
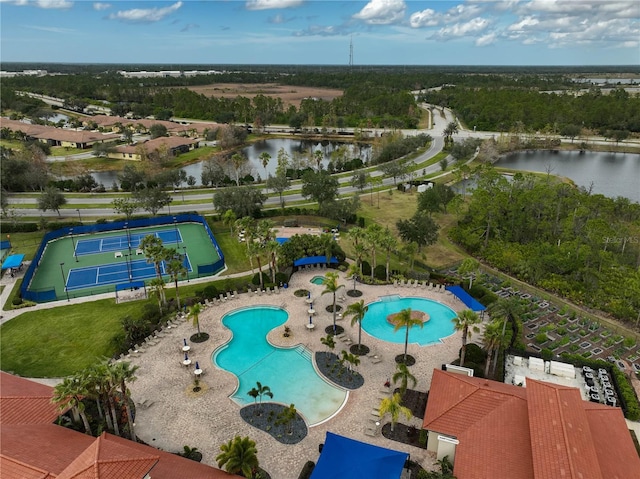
(384, 32)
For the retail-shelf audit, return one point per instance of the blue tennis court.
(121, 242)
(115, 273)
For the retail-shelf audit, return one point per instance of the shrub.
(380, 272)
(256, 278)
(628, 396)
(9, 227)
(209, 292)
(478, 371)
(16, 301)
(366, 268)
(541, 338)
(281, 277)
(546, 354)
(474, 354)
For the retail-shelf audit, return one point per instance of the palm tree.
(265, 158)
(286, 417)
(393, 406)
(153, 251)
(466, 322)
(239, 456)
(492, 340)
(194, 313)
(373, 235)
(353, 272)
(331, 285)
(403, 375)
(272, 247)
(388, 243)
(405, 320)
(358, 310)
(157, 289)
(123, 373)
(99, 382)
(450, 130)
(468, 266)
(410, 249)
(176, 269)
(329, 342)
(357, 235)
(229, 218)
(506, 309)
(259, 391)
(69, 394)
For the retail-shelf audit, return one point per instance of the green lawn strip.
(65, 151)
(61, 341)
(235, 256)
(25, 243)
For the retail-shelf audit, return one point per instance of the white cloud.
(382, 12)
(54, 4)
(487, 39)
(425, 18)
(523, 24)
(145, 14)
(456, 30)
(279, 19)
(101, 6)
(271, 4)
(64, 31)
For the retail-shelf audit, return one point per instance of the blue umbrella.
(186, 358)
(197, 365)
(310, 320)
(185, 341)
(309, 295)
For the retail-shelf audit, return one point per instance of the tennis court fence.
(45, 295)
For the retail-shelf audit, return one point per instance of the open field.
(291, 95)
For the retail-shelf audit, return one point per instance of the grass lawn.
(26, 243)
(60, 341)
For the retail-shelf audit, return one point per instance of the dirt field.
(291, 95)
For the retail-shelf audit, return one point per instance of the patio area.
(170, 415)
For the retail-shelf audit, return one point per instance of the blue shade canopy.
(314, 260)
(469, 301)
(13, 261)
(342, 458)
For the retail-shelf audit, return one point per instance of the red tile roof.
(107, 459)
(25, 402)
(543, 431)
(169, 142)
(43, 450)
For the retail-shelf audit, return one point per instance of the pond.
(609, 174)
(298, 150)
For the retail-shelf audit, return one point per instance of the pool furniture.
(117, 254)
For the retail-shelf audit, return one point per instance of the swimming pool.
(288, 372)
(438, 327)
(319, 280)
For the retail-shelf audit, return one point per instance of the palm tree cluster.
(331, 286)
(260, 243)
(155, 252)
(371, 240)
(466, 321)
(239, 456)
(106, 384)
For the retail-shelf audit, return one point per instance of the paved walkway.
(171, 416)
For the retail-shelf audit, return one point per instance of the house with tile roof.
(53, 136)
(32, 446)
(172, 145)
(544, 431)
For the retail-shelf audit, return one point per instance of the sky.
(383, 32)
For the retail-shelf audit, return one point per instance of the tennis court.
(127, 241)
(116, 273)
(83, 261)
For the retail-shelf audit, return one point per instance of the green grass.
(61, 341)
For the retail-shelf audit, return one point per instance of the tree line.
(575, 244)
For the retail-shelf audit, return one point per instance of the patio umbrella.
(185, 341)
(197, 365)
(310, 320)
(309, 295)
(186, 358)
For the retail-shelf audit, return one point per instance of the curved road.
(439, 123)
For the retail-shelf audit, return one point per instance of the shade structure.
(314, 260)
(13, 261)
(343, 457)
(469, 301)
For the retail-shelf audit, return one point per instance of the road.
(205, 199)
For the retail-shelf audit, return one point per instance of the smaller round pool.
(438, 326)
(319, 280)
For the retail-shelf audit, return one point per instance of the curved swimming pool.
(438, 327)
(288, 372)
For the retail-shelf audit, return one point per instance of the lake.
(294, 148)
(609, 174)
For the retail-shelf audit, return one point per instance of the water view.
(609, 174)
(299, 151)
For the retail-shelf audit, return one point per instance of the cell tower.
(351, 52)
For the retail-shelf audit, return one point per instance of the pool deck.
(170, 415)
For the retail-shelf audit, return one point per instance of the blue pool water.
(319, 280)
(439, 326)
(288, 372)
